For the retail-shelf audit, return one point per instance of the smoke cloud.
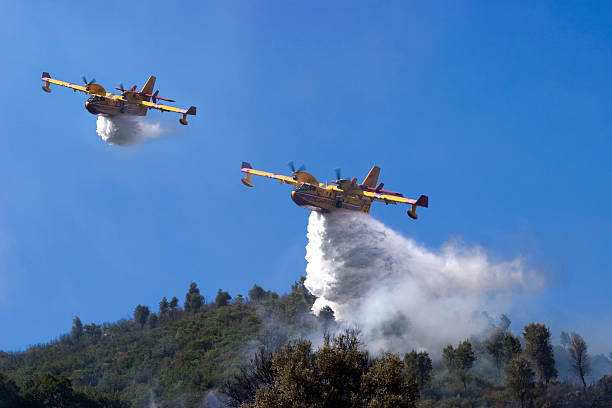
(401, 295)
(127, 130)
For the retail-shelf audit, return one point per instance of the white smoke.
(126, 130)
(401, 295)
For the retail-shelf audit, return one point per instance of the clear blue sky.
(501, 113)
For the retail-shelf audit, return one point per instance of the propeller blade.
(338, 173)
(291, 166)
(301, 168)
(93, 81)
(84, 80)
(155, 96)
(121, 86)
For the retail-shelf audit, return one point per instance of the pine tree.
(222, 298)
(193, 300)
(519, 379)
(495, 347)
(512, 347)
(141, 313)
(418, 366)
(464, 360)
(77, 329)
(164, 306)
(539, 350)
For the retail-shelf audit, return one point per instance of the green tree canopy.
(174, 304)
(418, 367)
(495, 347)
(386, 384)
(464, 360)
(77, 329)
(327, 314)
(152, 321)
(448, 357)
(193, 300)
(141, 313)
(222, 298)
(339, 374)
(512, 347)
(164, 306)
(539, 350)
(257, 293)
(519, 379)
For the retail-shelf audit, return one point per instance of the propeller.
(293, 169)
(93, 80)
(338, 177)
(154, 97)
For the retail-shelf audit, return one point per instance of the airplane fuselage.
(326, 199)
(114, 107)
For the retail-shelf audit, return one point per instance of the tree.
(222, 298)
(327, 315)
(257, 293)
(512, 347)
(77, 329)
(539, 350)
(418, 366)
(93, 332)
(448, 357)
(504, 322)
(339, 374)
(464, 360)
(386, 386)
(519, 379)
(9, 393)
(141, 313)
(257, 374)
(173, 304)
(49, 391)
(564, 339)
(239, 300)
(580, 359)
(164, 306)
(495, 347)
(152, 321)
(193, 300)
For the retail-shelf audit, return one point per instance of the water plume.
(401, 295)
(127, 130)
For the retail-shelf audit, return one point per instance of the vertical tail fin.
(148, 87)
(372, 177)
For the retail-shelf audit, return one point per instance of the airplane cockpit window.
(305, 187)
(94, 98)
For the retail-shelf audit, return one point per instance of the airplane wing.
(166, 108)
(47, 78)
(246, 168)
(423, 200)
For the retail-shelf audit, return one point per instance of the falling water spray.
(398, 293)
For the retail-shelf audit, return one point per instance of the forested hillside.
(258, 352)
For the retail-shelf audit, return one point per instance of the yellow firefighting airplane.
(130, 102)
(345, 194)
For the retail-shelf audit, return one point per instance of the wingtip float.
(131, 102)
(342, 194)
